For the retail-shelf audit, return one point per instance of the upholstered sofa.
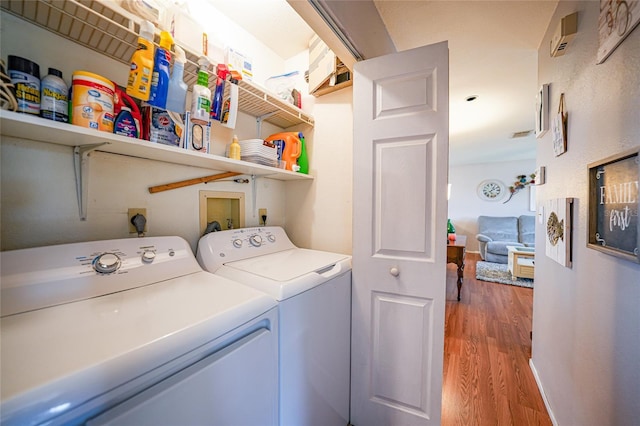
(496, 233)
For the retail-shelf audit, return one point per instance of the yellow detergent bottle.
(141, 72)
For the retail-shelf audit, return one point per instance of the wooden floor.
(487, 378)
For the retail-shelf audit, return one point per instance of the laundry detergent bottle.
(141, 71)
(303, 160)
(177, 94)
(161, 72)
(289, 148)
(201, 97)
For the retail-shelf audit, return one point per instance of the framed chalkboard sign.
(614, 225)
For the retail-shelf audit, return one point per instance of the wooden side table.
(456, 250)
(521, 261)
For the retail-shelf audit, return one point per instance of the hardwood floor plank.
(487, 379)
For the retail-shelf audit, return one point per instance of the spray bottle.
(177, 95)
(216, 104)
(160, 79)
(140, 74)
(201, 97)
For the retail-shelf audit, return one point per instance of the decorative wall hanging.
(559, 129)
(614, 226)
(617, 19)
(521, 182)
(491, 190)
(542, 111)
(558, 230)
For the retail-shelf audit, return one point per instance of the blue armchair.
(496, 233)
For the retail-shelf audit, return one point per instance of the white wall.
(319, 212)
(465, 206)
(586, 319)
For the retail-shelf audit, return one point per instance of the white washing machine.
(133, 332)
(313, 289)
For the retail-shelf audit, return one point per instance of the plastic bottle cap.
(24, 65)
(180, 55)
(203, 61)
(166, 40)
(147, 29)
(57, 73)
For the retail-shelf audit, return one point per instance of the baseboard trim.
(542, 393)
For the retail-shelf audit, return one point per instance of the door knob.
(394, 271)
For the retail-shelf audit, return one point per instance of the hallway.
(487, 378)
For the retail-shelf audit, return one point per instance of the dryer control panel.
(218, 248)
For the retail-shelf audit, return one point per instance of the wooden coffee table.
(455, 254)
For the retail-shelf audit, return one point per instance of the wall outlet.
(262, 213)
(131, 213)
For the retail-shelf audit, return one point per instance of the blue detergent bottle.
(177, 94)
(161, 72)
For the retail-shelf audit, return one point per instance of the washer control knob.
(106, 263)
(394, 271)
(148, 256)
(255, 240)
(272, 238)
(237, 243)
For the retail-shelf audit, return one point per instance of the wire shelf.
(114, 33)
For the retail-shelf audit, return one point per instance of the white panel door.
(401, 143)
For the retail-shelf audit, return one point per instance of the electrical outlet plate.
(262, 212)
(131, 213)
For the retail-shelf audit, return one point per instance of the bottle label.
(54, 104)
(27, 91)
(204, 103)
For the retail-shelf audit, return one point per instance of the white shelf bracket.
(259, 121)
(81, 169)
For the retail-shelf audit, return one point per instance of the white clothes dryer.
(313, 289)
(133, 331)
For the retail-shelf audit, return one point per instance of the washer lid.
(288, 265)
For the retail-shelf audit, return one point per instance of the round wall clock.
(492, 190)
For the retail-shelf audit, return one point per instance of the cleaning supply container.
(141, 72)
(25, 76)
(125, 125)
(54, 103)
(177, 94)
(288, 148)
(303, 160)
(234, 148)
(122, 100)
(201, 96)
(92, 101)
(161, 72)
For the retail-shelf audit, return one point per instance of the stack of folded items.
(259, 151)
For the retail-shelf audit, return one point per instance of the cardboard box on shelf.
(239, 62)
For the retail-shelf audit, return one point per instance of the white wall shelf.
(26, 126)
(113, 32)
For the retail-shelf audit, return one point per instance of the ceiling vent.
(522, 134)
